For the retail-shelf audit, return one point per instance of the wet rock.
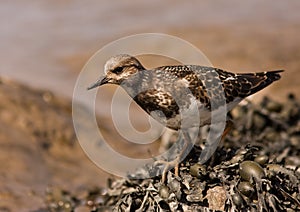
(164, 192)
(195, 191)
(216, 198)
(198, 170)
(237, 200)
(261, 159)
(251, 169)
(246, 188)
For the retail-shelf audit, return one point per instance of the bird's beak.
(99, 82)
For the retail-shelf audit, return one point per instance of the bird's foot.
(213, 141)
(167, 166)
(181, 149)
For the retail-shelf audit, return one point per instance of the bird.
(183, 96)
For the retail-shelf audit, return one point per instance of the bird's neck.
(137, 83)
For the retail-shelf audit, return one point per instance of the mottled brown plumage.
(174, 89)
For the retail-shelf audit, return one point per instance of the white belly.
(197, 116)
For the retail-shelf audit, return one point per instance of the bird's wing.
(157, 100)
(243, 85)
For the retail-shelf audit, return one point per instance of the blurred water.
(36, 36)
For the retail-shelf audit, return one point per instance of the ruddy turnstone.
(189, 93)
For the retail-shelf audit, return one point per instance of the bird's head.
(118, 68)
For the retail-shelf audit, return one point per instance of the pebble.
(251, 169)
(198, 170)
(246, 188)
(261, 159)
(164, 192)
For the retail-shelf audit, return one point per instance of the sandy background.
(45, 44)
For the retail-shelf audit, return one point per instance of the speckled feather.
(171, 89)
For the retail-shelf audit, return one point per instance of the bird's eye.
(117, 70)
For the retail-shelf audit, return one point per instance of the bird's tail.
(257, 81)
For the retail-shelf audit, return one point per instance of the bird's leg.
(228, 128)
(214, 138)
(186, 141)
(168, 165)
(168, 138)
